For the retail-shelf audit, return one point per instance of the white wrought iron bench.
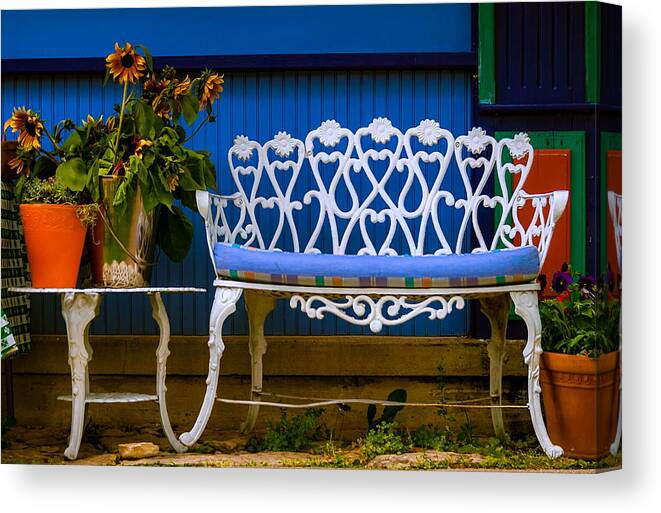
(353, 205)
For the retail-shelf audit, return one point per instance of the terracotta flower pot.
(54, 239)
(581, 402)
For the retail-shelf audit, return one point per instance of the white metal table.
(79, 308)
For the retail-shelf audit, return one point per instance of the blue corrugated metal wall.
(258, 105)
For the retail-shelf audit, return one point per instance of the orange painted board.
(551, 171)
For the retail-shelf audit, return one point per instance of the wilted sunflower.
(140, 146)
(19, 165)
(210, 88)
(29, 126)
(181, 88)
(126, 64)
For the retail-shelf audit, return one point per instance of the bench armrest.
(547, 209)
(218, 225)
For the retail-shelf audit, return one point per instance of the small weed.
(203, 448)
(384, 438)
(290, 434)
(432, 437)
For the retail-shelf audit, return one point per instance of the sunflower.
(210, 88)
(140, 145)
(29, 126)
(126, 64)
(19, 165)
(181, 88)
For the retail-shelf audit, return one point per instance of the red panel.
(551, 171)
(613, 183)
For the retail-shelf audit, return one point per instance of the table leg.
(78, 310)
(160, 315)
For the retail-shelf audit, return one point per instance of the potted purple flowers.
(580, 366)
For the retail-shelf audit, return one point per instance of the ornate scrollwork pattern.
(387, 310)
(351, 172)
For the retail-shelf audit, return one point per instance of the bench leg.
(496, 308)
(78, 310)
(618, 433)
(258, 306)
(224, 304)
(526, 306)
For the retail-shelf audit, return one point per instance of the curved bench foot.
(224, 304)
(496, 309)
(526, 306)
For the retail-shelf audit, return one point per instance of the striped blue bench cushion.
(321, 270)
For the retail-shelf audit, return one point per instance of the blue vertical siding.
(256, 104)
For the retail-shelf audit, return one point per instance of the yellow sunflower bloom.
(126, 65)
(28, 125)
(211, 89)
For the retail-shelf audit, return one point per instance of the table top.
(135, 290)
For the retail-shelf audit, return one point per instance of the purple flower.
(587, 285)
(561, 281)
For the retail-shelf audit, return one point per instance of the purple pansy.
(561, 281)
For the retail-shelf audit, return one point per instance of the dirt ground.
(39, 445)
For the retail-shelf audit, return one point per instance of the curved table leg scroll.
(160, 315)
(258, 306)
(526, 306)
(224, 304)
(78, 310)
(496, 308)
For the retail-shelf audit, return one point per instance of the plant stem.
(119, 127)
(52, 139)
(196, 130)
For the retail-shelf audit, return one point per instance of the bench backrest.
(379, 190)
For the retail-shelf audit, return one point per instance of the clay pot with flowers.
(580, 366)
(135, 163)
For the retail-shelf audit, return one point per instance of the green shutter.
(486, 54)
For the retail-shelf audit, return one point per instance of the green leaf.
(175, 234)
(139, 169)
(190, 107)
(144, 118)
(73, 142)
(149, 196)
(73, 174)
(193, 178)
(148, 57)
(93, 181)
(163, 195)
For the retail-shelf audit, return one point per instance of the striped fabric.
(15, 272)
(470, 270)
